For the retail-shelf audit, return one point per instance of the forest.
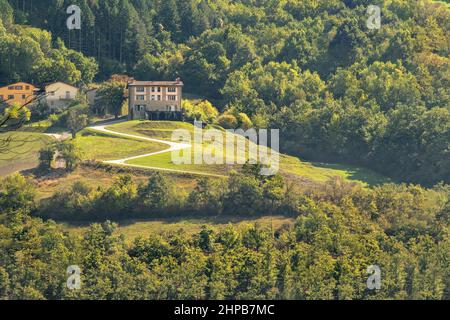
(338, 91)
(340, 229)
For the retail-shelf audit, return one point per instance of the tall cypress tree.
(169, 17)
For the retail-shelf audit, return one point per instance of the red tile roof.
(157, 83)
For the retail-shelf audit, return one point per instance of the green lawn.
(132, 229)
(101, 146)
(324, 171)
(22, 152)
(154, 129)
(164, 160)
(289, 166)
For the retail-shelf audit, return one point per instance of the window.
(171, 89)
(1, 97)
(140, 97)
(11, 88)
(140, 89)
(67, 94)
(24, 96)
(11, 96)
(139, 107)
(171, 98)
(159, 89)
(27, 87)
(19, 87)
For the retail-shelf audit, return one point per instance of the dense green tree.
(112, 95)
(119, 198)
(169, 18)
(46, 157)
(155, 194)
(207, 196)
(70, 153)
(244, 195)
(16, 193)
(76, 121)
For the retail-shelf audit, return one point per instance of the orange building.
(19, 92)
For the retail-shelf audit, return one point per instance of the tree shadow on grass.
(354, 173)
(41, 174)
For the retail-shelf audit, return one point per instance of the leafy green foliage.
(76, 121)
(338, 91)
(27, 54)
(201, 111)
(110, 97)
(340, 230)
(70, 153)
(46, 157)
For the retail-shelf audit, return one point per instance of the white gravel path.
(173, 146)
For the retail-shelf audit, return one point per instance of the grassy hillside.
(98, 146)
(101, 146)
(22, 153)
(289, 166)
(48, 185)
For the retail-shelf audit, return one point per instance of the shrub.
(70, 153)
(46, 156)
(244, 121)
(155, 194)
(227, 121)
(201, 111)
(16, 193)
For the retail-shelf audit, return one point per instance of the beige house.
(60, 95)
(155, 100)
(91, 95)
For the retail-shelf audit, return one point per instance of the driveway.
(172, 146)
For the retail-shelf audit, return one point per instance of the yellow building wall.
(19, 93)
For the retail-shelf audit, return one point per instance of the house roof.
(18, 84)
(60, 82)
(175, 83)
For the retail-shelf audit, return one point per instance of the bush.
(244, 121)
(201, 111)
(70, 153)
(16, 193)
(46, 156)
(155, 193)
(74, 204)
(207, 197)
(227, 121)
